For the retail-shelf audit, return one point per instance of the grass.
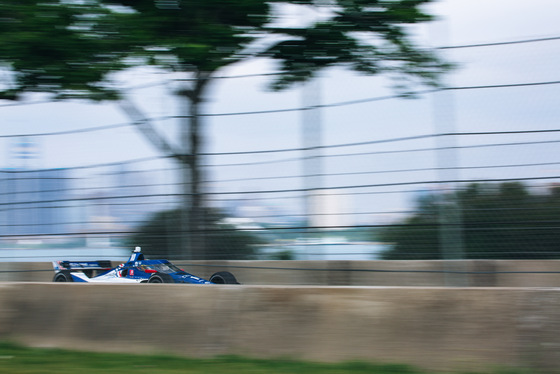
(16, 359)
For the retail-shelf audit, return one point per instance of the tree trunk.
(196, 216)
(193, 202)
(189, 232)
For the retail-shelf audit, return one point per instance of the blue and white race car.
(136, 270)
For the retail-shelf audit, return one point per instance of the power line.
(385, 172)
(379, 185)
(493, 44)
(277, 191)
(382, 98)
(75, 131)
(301, 149)
(370, 153)
(297, 109)
(258, 75)
(510, 85)
(93, 166)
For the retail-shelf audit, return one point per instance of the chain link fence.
(379, 177)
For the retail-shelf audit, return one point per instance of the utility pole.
(312, 140)
(450, 215)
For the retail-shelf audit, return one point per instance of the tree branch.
(145, 126)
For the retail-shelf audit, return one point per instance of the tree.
(199, 38)
(57, 49)
(159, 235)
(504, 221)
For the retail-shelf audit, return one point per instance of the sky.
(459, 23)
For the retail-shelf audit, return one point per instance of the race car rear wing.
(82, 265)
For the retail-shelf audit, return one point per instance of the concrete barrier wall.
(433, 328)
(471, 273)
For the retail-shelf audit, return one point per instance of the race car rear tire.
(63, 276)
(161, 278)
(223, 277)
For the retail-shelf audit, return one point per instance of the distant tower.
(330, 210)
(24, 153)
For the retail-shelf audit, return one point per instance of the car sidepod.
(184, 277)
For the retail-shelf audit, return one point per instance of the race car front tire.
(223, 277)
(161, 278)
(63, 276)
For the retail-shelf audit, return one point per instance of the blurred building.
(132, 196)
(119, 199)
(34, 202)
